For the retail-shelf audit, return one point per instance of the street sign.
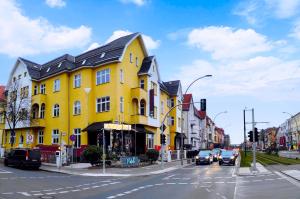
(72, 137)
(63, 133)
(29, 138)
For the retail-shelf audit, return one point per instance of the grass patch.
(273, 159)
(245, 160)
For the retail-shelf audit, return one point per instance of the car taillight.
(27, 155)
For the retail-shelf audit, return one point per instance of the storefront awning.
(96, 126)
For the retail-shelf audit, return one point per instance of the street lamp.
(181, 151)
(297, 129)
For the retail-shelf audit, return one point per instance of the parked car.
(23, 158)
(227, 157)
(204, 157)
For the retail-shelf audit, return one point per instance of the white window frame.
(130, 58)
(77, 108)
(56, 86)
(43, 89)
(40, 137)
(21, 136)
(103, 76)
(150, 141)
(56, 110)
(36, 90)
(121, 76)
(103, 101)
(77, 142)
(142, 83)
(77, 81)
(162, 107)
(55, 136)
(172, 119)
(42, 111)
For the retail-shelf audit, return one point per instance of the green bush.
(143, 158)
(152, 155)
(92, 154)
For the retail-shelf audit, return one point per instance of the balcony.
(39, 99)
(38, 123)
(139, 119)
(138, 93)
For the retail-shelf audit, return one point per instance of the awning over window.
(96, 126)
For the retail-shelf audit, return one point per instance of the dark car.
(204, 157)
(227, 157)
(23, 158)
(216, 152)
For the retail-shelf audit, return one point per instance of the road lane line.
(8, 193)
(208, 190)
(24, 193)
(38, 194)
(170, 183)
(219, 182)
(111, 197)
(166, 178)
(269, 179)
(159, 184)
(63, 192)
(51, 193)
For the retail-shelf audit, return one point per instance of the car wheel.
(5, 163)
(220, 163)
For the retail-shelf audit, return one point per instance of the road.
(205, 181)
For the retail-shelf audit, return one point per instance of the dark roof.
(172, 86)
(110, 52)
(186, 102)
(146, 65)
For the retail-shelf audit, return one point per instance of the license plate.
(34, 160)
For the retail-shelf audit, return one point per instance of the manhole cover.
(47, 197)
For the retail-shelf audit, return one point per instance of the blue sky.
(250, 47)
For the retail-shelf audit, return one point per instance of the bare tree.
(16, 108)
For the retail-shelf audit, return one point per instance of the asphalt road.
(205, 181)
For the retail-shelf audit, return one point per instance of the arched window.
(42, 114)
(35, 111)
(143, 107)
(56, 110)
(77, 108)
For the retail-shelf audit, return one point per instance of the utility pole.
(245, 141)
(103, 151)
(254, 143)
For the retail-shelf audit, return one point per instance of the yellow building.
(72, 97)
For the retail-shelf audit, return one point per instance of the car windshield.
(204, 153)
(227, 153)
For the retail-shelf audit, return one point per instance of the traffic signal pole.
(245, 140)
(253, 143)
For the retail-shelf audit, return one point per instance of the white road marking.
(75, 190)
(218, 177)
(51, 193)
(207, 182)
(294, 182)
(166, 178)
(38, 194)
(256, 180)
(231, 182)
(208, 190)
(24, 193)
(269, 179)
(111, 197)
(219, 182)
(120, 194)
(63, 192)
(86, 188)
(224, 197)
(8, 193)
(182, 183)
(35, 191)
(170, 183)
(127, 192)
(159, 184)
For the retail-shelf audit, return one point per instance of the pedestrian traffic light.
(163, 139)
(256, 135)
(250, 136)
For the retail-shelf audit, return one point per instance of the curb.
(289, 176)
(116, 174)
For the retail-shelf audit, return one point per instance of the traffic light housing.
(163, 139)
(256, 135)
(250, 136)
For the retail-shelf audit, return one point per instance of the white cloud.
(150, 43)
(93, 46)
(284, 8)
(228, 43)
(247, 10)
(262, 77)
(296, 30)
(56, 3)
(136, 2)
(21, 35)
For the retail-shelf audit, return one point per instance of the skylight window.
(48, 69)
(102, 55)
(59, 65)
(83, 62)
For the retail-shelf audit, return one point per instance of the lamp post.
(297, 129)
(181, 151)
(223, 112)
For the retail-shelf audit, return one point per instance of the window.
(40, 137)
(169, 102)
(59, 65)
(14, 79)
(150, 141)
(154, 87)
(21, 140)
(172, 121)
(136, 61)
(161, 107)
(142, 84)
(142, 107)
(179, 107)
(77, 81)
(103, 104)
(172, 103)
(12, 138)
(77, 108)
(77, 133)
(179, 122)
(55, 136)
(130, 57)
(121, 104)
(102, 76)
(121, 76)
(43, 88)
(56, 110)
(56, 85)
(42, 114)
(24, 91)
(155, 112)
(25, 74)
(35, 91)
(19, 77)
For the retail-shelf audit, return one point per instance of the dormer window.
(59, 65)
(102, 55)
(48, 69)
(83, 62)
(130, 57)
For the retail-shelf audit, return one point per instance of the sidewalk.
(290, 154)
(245, 171)
(87, 170)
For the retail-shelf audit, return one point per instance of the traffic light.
(250, 136)
(256, 135)
(163, 139)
